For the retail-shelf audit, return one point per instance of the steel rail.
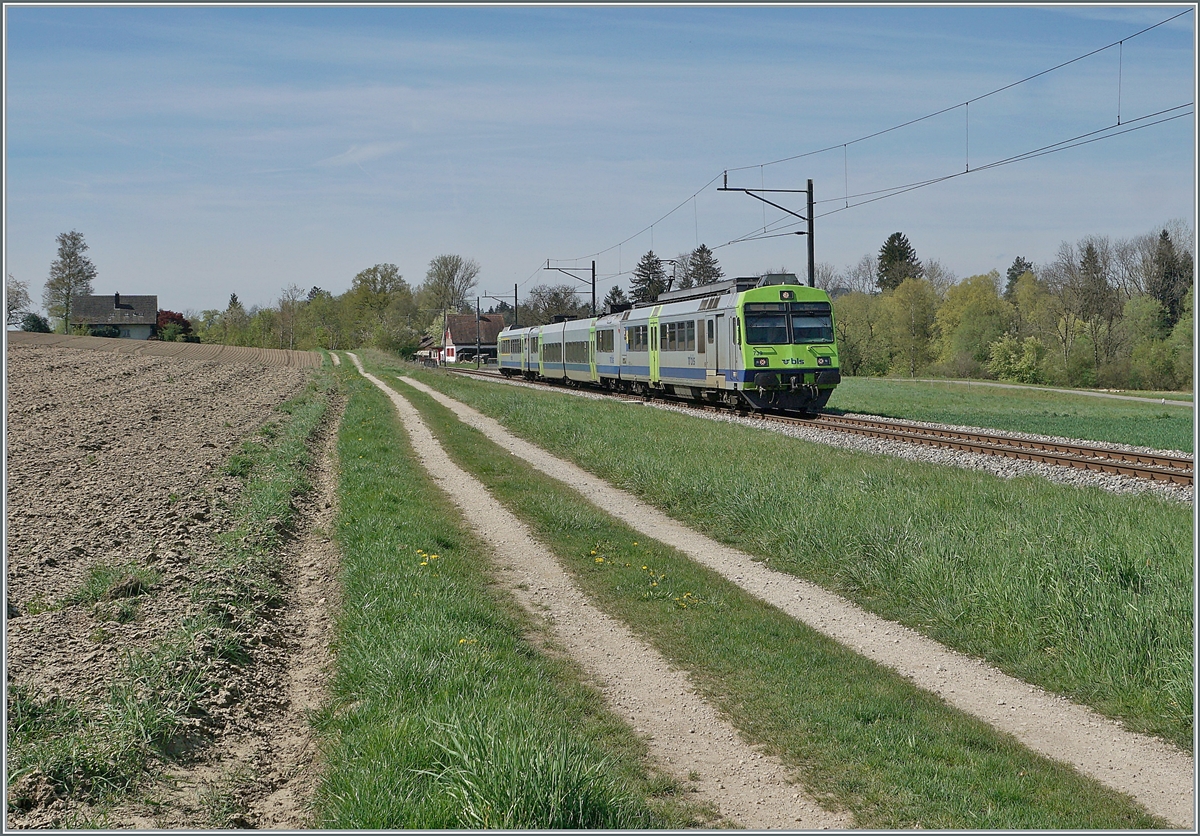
(1162, 468)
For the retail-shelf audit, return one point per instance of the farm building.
(460, 338)
(133, 317)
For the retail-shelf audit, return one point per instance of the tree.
(649, 279)
(897, 262)
(35, 323)
(448, 282)
(827, 278)
(616, 296)
(702, 267)
(545, 302)
(859, 327)
(910, 316)
(71, 275)
(860, 277)
(971, 318)
(16, 300)
(1019, 268)
(173, 327)
(1166, 281)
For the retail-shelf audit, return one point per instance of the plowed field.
(114, 459)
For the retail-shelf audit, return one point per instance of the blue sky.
(204, 151)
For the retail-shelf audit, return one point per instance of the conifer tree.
(702, 266)
(649, 279)
(897, 262)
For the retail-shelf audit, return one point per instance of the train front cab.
(785, 346)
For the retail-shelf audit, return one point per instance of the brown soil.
(115, 458)
(1158, 775)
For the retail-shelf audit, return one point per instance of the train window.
(552, 352)
(577, 352)
(810, 328)
(636, 338)
(690, 339)
(711, 332)
(767, 329)
(604, 341)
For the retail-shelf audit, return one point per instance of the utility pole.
(812, 262)
(477, 338)
(579, 278)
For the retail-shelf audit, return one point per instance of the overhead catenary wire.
(882, 194)
(846, 198)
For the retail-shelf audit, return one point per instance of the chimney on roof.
(116, 300)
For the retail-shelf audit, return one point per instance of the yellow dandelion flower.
(599, 559)
(645, 568)
(635, 542)
(593, 551)
(424, 562)
(433, 557)
(654, 583)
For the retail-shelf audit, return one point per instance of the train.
(763, 343)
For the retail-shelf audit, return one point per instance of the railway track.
(1096, 458)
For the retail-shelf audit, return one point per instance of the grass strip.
(860, 735)
(1083, 592)
(444, 714)
(99, 752)
(1159, 426)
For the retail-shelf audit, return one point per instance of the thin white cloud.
(356, 155)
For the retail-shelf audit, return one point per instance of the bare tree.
(16, 300)
(861, 275)
(289, 305)
(827, 277)
(941, 277)
(448, 282)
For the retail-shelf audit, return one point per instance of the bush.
(103, 331)
(1154, 366)
(1018, 360)
(34, 323)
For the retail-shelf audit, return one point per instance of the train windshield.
(766, 328)
(812, 328)
(781, 323)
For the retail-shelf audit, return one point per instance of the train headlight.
(824, 361)
(787, 295)
(762, 361)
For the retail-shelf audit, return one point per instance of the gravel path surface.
(750, 789)
(1158, 775)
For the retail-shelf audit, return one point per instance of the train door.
(707, 341)
(722, 352)
(654, 346)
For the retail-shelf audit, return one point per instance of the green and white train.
(766, 343)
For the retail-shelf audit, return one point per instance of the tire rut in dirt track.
(752, 789)
(116, 459)
(1158, 775)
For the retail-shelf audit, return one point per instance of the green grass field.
(445, 714)
(835, 717)
(1028, 410)
(1084, 592)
